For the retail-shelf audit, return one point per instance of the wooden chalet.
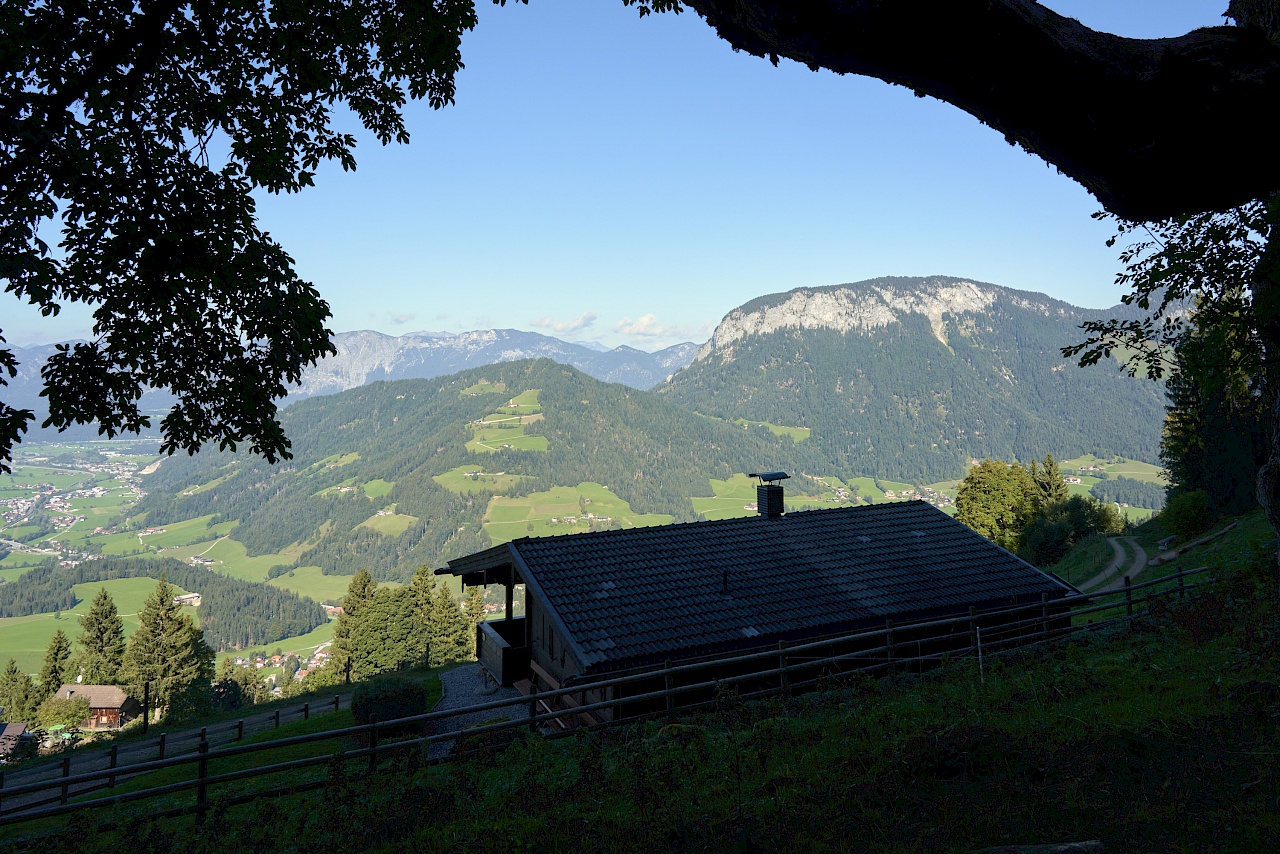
(109, 706)
(609, 603)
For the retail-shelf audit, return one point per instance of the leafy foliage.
(18, 695)
(54, 667)
(114, 120)
(997, 500)
(56, 711)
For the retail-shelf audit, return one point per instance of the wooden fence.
(793, 668)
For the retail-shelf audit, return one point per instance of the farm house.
(607, 603)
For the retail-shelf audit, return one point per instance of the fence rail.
(794, 667)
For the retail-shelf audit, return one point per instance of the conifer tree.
(448, 630)
(1050, 483)
(360, 593)
(167, 650)
(101, 641)
(475, 613)
(56, 657)
(17, 695)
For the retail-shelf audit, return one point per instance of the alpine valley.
(863, 392)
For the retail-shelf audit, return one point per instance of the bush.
(387, 699)
(1188, 513)
(59, 710)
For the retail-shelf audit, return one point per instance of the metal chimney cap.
(771, 476)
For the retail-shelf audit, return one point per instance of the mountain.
(365, 357)
(380, 480)
(910, 378)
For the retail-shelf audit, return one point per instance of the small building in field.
(616, 602)
(192, 599)
(109, 706)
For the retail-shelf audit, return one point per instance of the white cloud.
(645, 327)
(400, 319)
(562, 327)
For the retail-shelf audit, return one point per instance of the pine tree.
(448, 630)
(17, 695)
(167, 650)
(56, 657)
(1050, 484)
(101, 641)
(360, 593)
(475, 613)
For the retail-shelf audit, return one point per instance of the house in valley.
(609, 603)
(109, 706)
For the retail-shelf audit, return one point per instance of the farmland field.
(797, 434)
(391, 524)
(532, 515)
(466, 479)
(24, 639)
(309, 581)
(378, 488)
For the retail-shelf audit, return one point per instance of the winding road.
(1112, 578)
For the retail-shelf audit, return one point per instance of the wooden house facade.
(109, 706)
(609, 603)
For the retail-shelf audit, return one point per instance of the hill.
(911, 378)
(390, 476)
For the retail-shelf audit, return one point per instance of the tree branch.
(1154, 128)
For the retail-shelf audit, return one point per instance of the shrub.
(387, 699)
(1188, 513)
(59, 710)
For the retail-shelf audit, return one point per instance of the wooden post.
(335, 702)
(888, 642)
(277, 719)
(146, 706)
(973, 628)
(239, 730)
(1044, 614)
(373, 747)
(511, 591)
(202, 774)
(533, 704)
(111, 763)
(1182, 585)
(204, 733)
(1128, 598)
(162, 738)
(306, 711)
(671, 697)
(783, 679)
(1, 785)
(66, 772)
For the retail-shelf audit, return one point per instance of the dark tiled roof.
(640, 594)
(98, 696)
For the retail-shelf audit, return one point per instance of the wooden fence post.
(373, 747)
(1044, 614)
(533, 704)
(1, 784)
(66, 772)
(306, 711)
(204, 733)
(1128, 597)
(1182, 584)
(111, 763)
(239, 730)
(202, 774)
(973, 629)
(335, 702)
(277, 719)
(163, 736)
(146, 707)
(671, 686)
(888, 643)
(784, 678)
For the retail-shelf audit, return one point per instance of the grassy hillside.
(1160, 737)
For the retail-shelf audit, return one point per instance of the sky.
(621, 180)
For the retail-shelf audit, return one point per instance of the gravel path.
(466, 686)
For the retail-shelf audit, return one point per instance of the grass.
(1232, 550)
(487, 440)
(25, 639)
(298, 643)
(231, 558)
(797, 434)
(531, 515)
(1117, 467)
(309, 581)
(390, 524)
(470, 478)
(868, 490)
(1089, 557)
(378, 488)
(731, 500)
(483, 387)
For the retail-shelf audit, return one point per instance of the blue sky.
(604, 177)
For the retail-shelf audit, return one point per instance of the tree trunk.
(1266, 306)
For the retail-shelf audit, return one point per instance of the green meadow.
(309, 581)
(24, 639)
(531, 515)
(466, 479)
(378, 487)
(230, 558)
(390, 523)
(797, 434)
(483, 387)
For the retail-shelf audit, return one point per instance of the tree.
(62, 711)
(166, 651)
(997, 500)
(101, 641)
(385, 635)
(360, 593)
(475, 614)
(1051, 486)
(17, 695)
(56, 657)
(111, 128)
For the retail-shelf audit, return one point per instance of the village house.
(109, 706)
(192, 599)
(608, 603)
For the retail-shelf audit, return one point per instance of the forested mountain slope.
(382, 446)
(911, 378)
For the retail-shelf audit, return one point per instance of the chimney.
(769, 493)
